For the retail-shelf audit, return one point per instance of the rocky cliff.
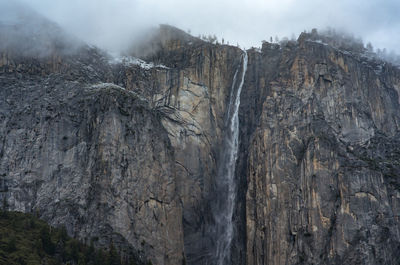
(321, 158)
(127, 150)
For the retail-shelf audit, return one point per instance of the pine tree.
(47, 244)
(11, 245)
(369, 47)
(113, 256)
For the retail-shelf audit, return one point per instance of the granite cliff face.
(71, 151)
(127, 151)
(322, 163)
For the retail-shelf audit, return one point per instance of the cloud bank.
(113, 24)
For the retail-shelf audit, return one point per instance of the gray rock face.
(322, 179)
(125, 151)
(192, 91)
(93, 157)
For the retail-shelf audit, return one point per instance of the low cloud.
(25, 32)
(114, 24)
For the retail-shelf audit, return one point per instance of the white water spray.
(226, 186)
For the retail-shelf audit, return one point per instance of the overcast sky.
(110, 23)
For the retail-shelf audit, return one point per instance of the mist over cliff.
(111, 24)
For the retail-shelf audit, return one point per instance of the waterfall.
(225, 180)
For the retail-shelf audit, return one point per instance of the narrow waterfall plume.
(225, 180)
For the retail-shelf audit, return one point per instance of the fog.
(114, 24)
(25, 32)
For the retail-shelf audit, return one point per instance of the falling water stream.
(225, 181)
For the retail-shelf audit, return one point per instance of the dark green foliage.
(11, 245)
(47, 244)
(63, 235)
(24, 239)
(113, 257)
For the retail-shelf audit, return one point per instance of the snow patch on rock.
(130, 60)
